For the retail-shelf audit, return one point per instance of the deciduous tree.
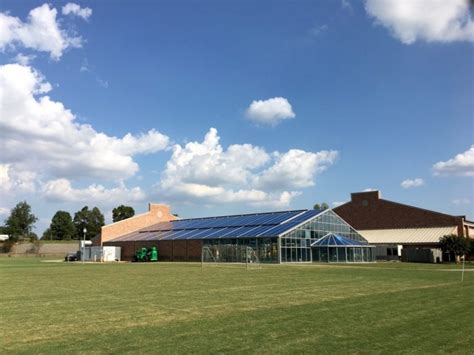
(454, 244)
(62, 227)
(21, 221)
(93, 220)
(323, 206)
(122, 212)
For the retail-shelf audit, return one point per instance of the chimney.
(365, 198)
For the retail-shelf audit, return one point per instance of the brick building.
(392, 226)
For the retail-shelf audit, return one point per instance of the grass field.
(49, 307)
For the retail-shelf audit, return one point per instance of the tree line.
(21, 222)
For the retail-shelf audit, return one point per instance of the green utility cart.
(146, 254)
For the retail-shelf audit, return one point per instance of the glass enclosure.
(299, 245)
(296, 245)
(233, 250)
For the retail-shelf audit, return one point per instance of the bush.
(7, 246)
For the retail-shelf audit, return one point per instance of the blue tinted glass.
(214, 233)
(197, 233)
(253, 231)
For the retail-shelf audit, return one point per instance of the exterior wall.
(168, 250)
(367, 210)
(44, 249)
(156, 213)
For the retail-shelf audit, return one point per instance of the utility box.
(100, 254)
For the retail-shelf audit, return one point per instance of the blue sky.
(310, 100)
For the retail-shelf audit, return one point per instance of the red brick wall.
(165, 250)
(168, 250)
(194, 248)
(368, 211)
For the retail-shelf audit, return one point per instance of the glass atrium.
(301, 244)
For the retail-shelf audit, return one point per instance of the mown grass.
(181, 308)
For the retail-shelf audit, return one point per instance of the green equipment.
(154, 254)
(146, 254)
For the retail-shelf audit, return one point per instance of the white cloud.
(41, 135)
(346, 5)
(296, 168)
(19, 181)
(23, 59)
(426, 20)
(461, 165)
(462, 201)
(61, 190)
(74, 9)
(338, 203)
(41, 32)
(205, 172)
(410, 183)
(4, 211)
(271, 111)
(317, 30)
(369, 189)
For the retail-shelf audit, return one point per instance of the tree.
(21, 221)
(62, 227)
(90, 219)
(321, 207)
(453, 244)
(4, 230)
(122, 212)
(47, 234)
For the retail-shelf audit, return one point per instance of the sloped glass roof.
(336, 240)
(271, 224)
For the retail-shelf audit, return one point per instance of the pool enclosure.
(334, 248)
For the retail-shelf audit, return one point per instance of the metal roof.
(406, 235)
(336, 241)
(271, 224)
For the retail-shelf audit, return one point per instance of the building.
(274, 237)
(393, 226)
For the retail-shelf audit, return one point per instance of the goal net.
(226, 253)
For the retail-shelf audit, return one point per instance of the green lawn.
(180, 308)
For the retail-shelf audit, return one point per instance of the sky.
(223, 107)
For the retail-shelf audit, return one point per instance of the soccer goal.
(208, 256)
(251, 258)
(230, 254)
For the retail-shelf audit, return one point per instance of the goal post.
(226, 253)
(251, 258)
(207, 256)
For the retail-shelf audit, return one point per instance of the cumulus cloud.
(42, 32)
(74, 9)
(410, 183)
(4, 211)
(23, 59)
(61, 190)
(271, 111)
(19, 181)
(41, 135)
(461, 165)
(295, 169)
(205, 172)
(424, 20)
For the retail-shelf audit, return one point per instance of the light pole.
(84, 244)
